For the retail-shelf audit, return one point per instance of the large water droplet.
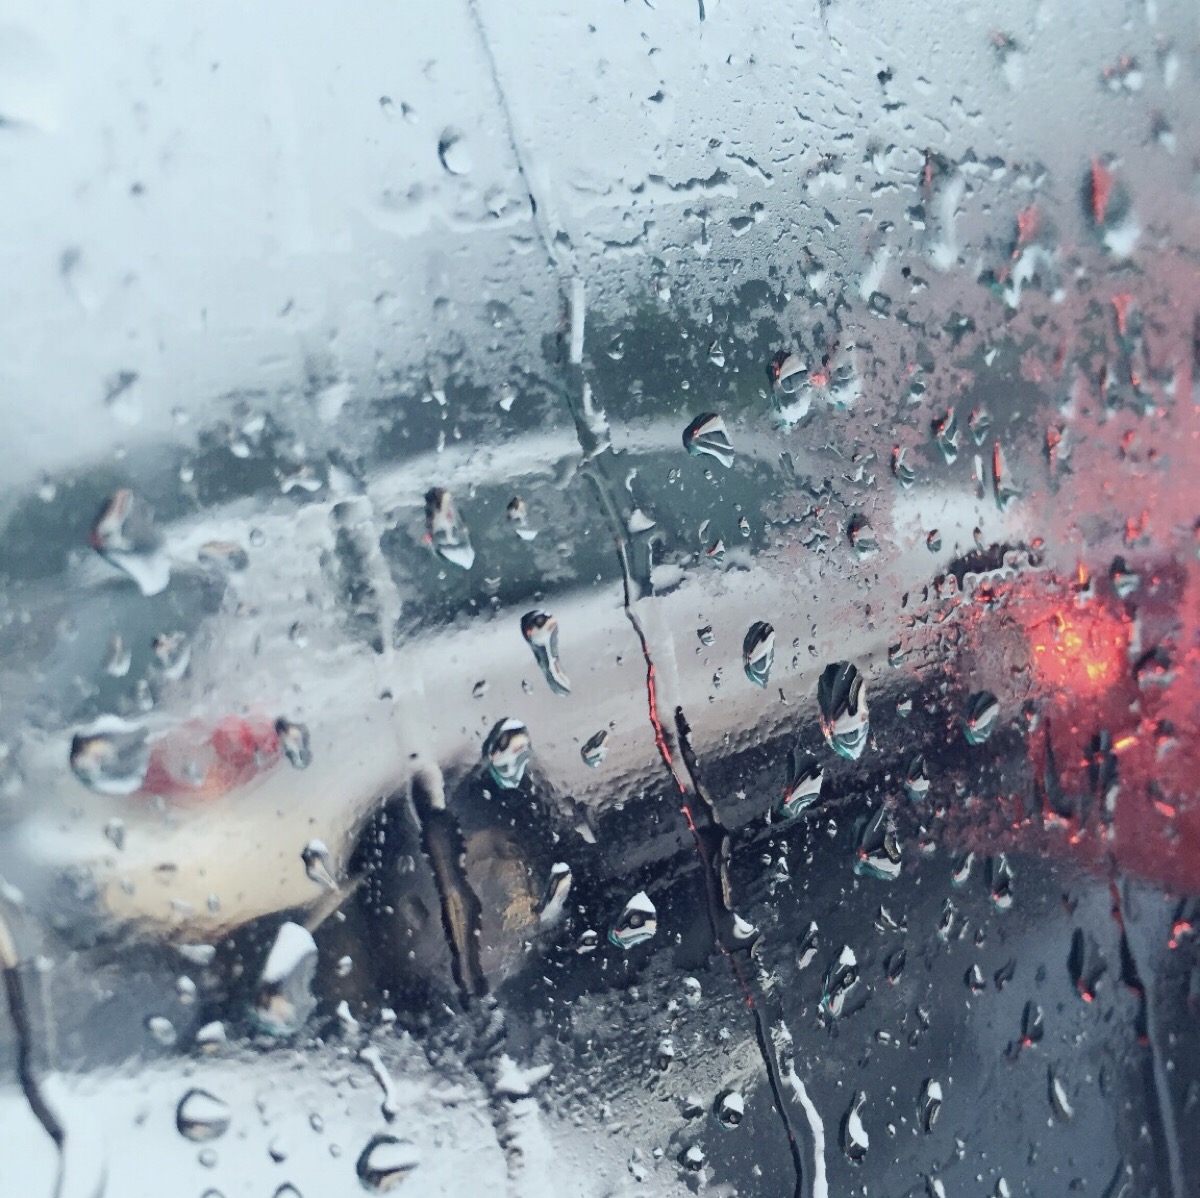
(758, 652)
(316, 864)
(554, 901)
(385, 1162)
(454, 153)
(842, 700)
(730, 1108)
(805, 776)
(294, 740)
(518, 516)
(507, 750)
(200, 1116)
(540, 630)
(447, 534)
(916, 777)
(945, 434)
(979, 720)
(879, 848)
(124, 535)
(855, 1140)
(931, 1103)
(840, 979)
(636, 924)
(707, 434)
(284, 994)
(111, 757)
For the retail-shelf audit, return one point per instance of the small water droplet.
(933, 542)
(705, 635)
(1060, 1103)
(862, 537)
(118, 658)
(201, 1116)
(385, 1162)
(447, 534)
(294, 740)
(904, 474)
(517, 512)
(540, 630)
(595, 749)
(931, 1103)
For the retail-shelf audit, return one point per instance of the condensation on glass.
(600, 599)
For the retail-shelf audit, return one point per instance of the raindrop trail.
(18, 1009)
(511, 133)
(715, 861)
(1162, 1089)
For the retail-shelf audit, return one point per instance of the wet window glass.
(599, 599)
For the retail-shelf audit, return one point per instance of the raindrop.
(111, 757)
(862, 537)
(805, 776)
(974, 979)
(979, 424)
(595, 749)
(636, 924)
(706, 635)
(855, 1140)
(554, 901)
(114, 831)
(693, 1159)
(716, 355)
(979, 720)
(707, 434)
(904, 474)
(1032, 1026)
(879, 848)
(293, 739)
(507, 750)
(118, 658)
(162, 1029)
(933, 542)
(385, 1162)
(758, 652)
(453, 152)
(284, 993)
(945, 434)
(840, 978)
(201, 1117)
(448, 536)
(692, 993)
(588, 942)
(894, 966)
(1085, 965)
(916, 777)
(316, 864)
(540, 630)
(1001, 878)
(227, 555)
(961, 869)
(807, 950)
(787, 372)
(1124, 580)
(1060, 1104)
(518, 516)
(931, 1104)
(730, 1108)
(125, 536)
(842, 700)
(666, 1053)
